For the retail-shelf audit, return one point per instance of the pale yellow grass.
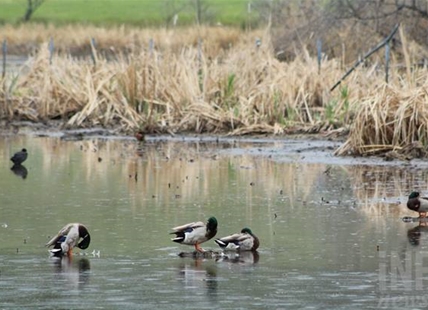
(211, 80)
(181, 90)
(76, 39)
(391, 119)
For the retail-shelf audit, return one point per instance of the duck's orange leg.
(70, 253)
(198, 248)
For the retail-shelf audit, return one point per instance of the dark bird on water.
(19, 157)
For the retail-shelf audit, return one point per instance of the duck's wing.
(63, 232)
(189, 226)
(236, 237)
(238, 241)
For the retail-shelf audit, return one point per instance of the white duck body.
(243, 241)
(195, 233)
(68, 238)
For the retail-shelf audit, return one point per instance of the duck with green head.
(70, 236)
(243, 241)
(418, 204)
(195, 233)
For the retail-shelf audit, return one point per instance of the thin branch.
(379, 46)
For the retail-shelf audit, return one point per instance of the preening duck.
(243, 241)
(195, 233)
(68, 238)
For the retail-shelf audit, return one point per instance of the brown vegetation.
(74, 40)
(235, 88)
(216, 80)
(393, 122)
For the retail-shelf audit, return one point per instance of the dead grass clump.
(244, 89)
(192, 87)
(392, 120)
(75, 91)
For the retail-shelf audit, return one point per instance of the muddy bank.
(292, 148)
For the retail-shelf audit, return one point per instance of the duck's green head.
(414, 195)
(86, 238)
(212, 223)
(246, 230)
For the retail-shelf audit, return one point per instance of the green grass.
(135, 12)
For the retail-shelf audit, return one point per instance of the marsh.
(328, 227)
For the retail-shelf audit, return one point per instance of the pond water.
(331, 231)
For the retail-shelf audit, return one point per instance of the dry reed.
(212, 80)
(390, 121)
(74, 39)
(238, 88)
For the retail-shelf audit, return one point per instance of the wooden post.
(200, 70)
(94, 51)
(51, 50)
(387, 58)
(319, 54)
(151, 46)
(5, 107)
(4, 50)
(200, 51)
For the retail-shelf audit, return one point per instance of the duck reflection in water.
(244, 258)
(74, 270)
(414, 234)
(19, 170)
(198, 273)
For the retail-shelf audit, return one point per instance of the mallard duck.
(418, 204)
(195, 233)
(243, 241)
(19, 157)
(68, 237)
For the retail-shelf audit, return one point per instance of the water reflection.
(198, 273)
(321, 225)
(382, 191)
(414, 234)
(75, 271)
(20, 170)
(244, 258)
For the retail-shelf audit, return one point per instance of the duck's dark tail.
(57, 249)
(179, 237)
(221, 243)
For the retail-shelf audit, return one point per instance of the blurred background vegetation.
(346, 28)
(229, 66)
